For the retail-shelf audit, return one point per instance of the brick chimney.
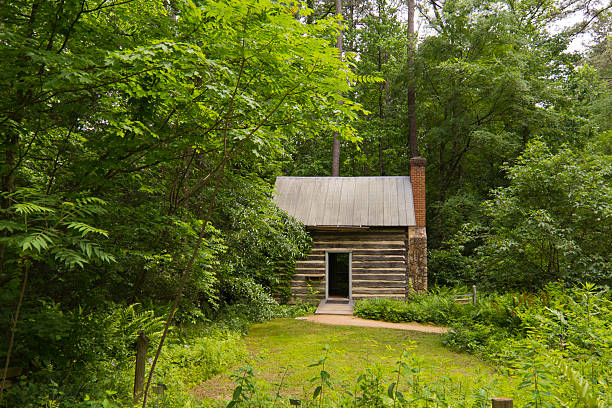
(417, 178)
(416, 268)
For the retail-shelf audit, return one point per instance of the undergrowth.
(559, 339)
(409, 388)
(87, 360)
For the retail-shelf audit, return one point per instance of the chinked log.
(396, 258)
(378, 265)
(360, 285)
(363, 237)
(347, 245)
(380, 276)
(362, 291)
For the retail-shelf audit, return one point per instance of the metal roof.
(347, 201)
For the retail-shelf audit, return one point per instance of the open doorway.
(338, 275)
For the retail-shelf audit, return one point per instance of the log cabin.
(368, 233)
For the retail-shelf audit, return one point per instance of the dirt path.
(344, 320)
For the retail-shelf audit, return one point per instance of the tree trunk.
(335, 156)
(311, 5)
(412, 126)
(336, 144)
(381, 116)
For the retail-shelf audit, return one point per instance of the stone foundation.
(416, 272)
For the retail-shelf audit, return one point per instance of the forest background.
(141, 140)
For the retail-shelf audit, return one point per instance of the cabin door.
(338, 275)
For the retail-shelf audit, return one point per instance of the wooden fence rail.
(466, 297)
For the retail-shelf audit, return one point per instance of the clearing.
(292, 345)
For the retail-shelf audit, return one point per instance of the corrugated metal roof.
(347, 201)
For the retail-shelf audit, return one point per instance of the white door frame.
(350, 271)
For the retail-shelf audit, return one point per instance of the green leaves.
(549, 222)
(85, 229)
(245, 386)
(11, 226)
(30, 208)
(583, 388)
(323, 378)
(38, 241)
(42, 224)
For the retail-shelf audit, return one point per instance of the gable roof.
(347, 201)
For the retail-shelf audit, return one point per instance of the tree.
(488, 82)
(553, 221)
(159, 109)
(335, 172)
(411, 98)
(79, 119)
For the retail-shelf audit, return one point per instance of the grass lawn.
(273, 346)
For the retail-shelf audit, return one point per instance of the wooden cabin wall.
(378, 262)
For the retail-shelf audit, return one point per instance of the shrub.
(439, 308)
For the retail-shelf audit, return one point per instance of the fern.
(39, 241)
(128, 321)
(369, 79)
(38, 222)
(90, 200)
(85, 229)
(69, 257)
(31, 208)
(586, 395)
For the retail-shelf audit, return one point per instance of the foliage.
(562, 347)
(165, 106)
(262, 241)
(36, 224)
(546, 338)
(438, 306)
(486, 83)
(434, 309)
(198, 359)
(452, 265)
(71, 354)
(370, 389)
(489, 76)
(553, 222)
(117, 119)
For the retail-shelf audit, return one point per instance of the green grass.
(282, 343)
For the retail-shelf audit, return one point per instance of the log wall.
(378, 262)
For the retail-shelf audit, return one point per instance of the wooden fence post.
(474, 294)
(501, 403)
(141, 356)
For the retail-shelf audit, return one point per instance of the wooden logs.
(378, 267)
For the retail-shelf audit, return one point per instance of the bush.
(557, 324)
(80, 360)
(449, 267)
(438, 308)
